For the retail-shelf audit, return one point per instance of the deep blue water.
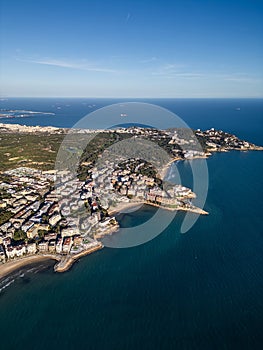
(197, 113)
(199, 290)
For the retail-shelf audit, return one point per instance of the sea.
(199, 290)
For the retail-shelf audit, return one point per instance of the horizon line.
(129, 97)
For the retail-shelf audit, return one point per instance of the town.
(52, 213)
(37, 218)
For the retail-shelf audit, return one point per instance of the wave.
(5, 283)
(21, 275)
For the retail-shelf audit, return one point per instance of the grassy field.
(36, 151)
(40, 150)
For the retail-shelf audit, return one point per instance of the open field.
(31, 150)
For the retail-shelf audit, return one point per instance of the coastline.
(117, 210)
(66, 262)
(12, 266)
(193, 209)
(63, 264)
(163, 171)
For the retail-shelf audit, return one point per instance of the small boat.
(123, 115)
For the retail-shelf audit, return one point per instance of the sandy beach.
(11, 266)
(122, 206)
(163, 171)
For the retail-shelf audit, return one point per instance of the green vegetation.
(19, 235)
(31, 150)
(4, 194)
(95, 147)
(5, 216)
(39, 150)
(41, 233)
(44, 218)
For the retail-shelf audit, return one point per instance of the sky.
(139, 48)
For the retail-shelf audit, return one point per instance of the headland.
(43, 218)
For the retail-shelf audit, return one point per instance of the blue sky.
(132, 48)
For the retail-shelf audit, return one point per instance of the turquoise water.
(199, 290)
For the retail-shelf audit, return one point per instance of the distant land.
(20, 113)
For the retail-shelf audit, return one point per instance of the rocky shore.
(130, 185)
(66, 262)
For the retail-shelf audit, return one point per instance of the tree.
(19, 235)
(44, 218)
(41, 233)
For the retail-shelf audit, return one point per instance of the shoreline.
(63, 264)
(163, 171)
(12, 266)
(66, 262)
(194, 209)
(118, 209)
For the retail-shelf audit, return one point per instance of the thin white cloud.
(176, 71)
(149, 60)
(169, 70)
(240, 78)
(68, 64)
(169, 66)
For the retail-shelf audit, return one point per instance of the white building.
(54, 219)
(20, 250)
(31, 248)
(59, 245)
